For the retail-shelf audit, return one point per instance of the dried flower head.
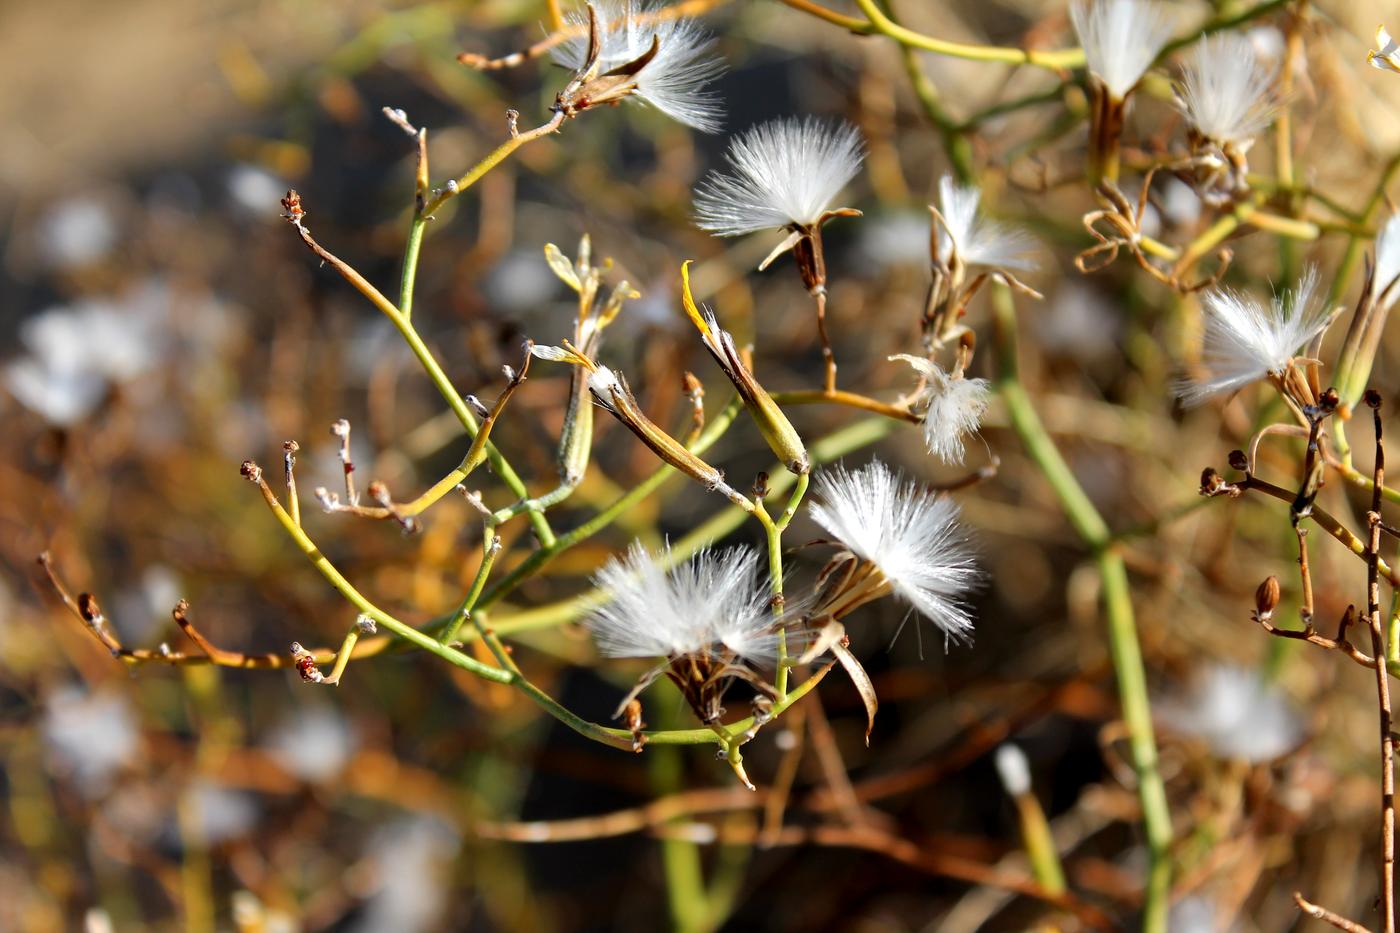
(630, 51)
(952, 406)
(1121, 39)
(706, 617)
(1246, 341)
(775, 427)
(783, 173)
(967, 237)
(905, 539)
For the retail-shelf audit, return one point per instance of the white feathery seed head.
(1013, 769)
(1237, 713)
(782, 173)
(952, 407)
(1245, 340)
(912, 535)
(674, 80)
(978, 240)
(1226, 92)
(1120, 39)
(706, 605)
(1388, 262)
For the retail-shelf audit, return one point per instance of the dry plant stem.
(476, 454)
(497, 156)
(1373, 612)
(464, 414)
(1118, 609)
(209, 653)
(849, 399)
(913, 855)
(1325, 915)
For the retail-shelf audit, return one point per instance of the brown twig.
(1322, 913)
(88, 611)
(1373, 614)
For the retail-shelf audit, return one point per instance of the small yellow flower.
(1386, 56)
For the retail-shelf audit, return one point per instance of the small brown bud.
(1211, 481)
(380, 494)
(291, 207)
(251, 471)
(760, 485)
(1329, 400)
(88, 608)
(291, 447)
(1266, 599)
(1373, 398)
(1238, 461)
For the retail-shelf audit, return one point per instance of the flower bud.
(613, 393)
(1266, 599)
(781, 436)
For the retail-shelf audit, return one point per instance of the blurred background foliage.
(147, 147)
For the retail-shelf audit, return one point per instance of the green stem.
(489, 550)
(1059, 60)
(346, 589)
(1118, 609)
(410, 265)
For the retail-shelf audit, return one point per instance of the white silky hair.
(1246, 340)
(1120, 39)
(714, 599)
(783, 172)
(979, 240)
(952, 408)
(912, 535)
(1226, 92)
(674, 81)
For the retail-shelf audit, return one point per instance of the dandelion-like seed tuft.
(783, 173)
(1121, 38)
(908, 538)
(1245, 340)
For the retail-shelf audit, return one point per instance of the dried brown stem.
(86, 609)
(1325, 915)
(1373, 614)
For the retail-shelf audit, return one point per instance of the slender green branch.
(346, 589)
(1118, 609)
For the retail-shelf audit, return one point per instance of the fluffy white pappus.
(952, 408)
(912, 535)
(1121, 38)
(1388, 261)
(712, 601)
(978, 240)
(674, 80)
(1237, 713)
(1226, 92)
(782, 172)
(1013, 769)
(1246, 340)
